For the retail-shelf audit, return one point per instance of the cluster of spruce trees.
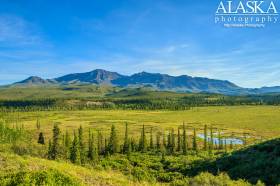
(78, 150)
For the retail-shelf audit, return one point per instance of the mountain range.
(157, 81)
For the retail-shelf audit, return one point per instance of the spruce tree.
(220, 140)
(179, 140)
(163, 156)
(143, 141)
(172, 141)
(158, 145)
(113, 143)
(100, 143)
(225, 144)
(126, 141)
(245, 139)
(106, 148)
(41, 139)
(74, 150)
(55, 144)
(133, 145)
(211, 147)
(151, 140)
(164, 140)
(90, 154)
(184, 140)
(38, 124)
(67, 144)
(194, 140)
(205, 138)
(169, 142)
(129, 149)
(67, 141)
(81, 145)
(63, 139)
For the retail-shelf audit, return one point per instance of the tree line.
(145, 103)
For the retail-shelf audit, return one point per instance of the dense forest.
(132, 98)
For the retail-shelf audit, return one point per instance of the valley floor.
(24, 161)
(258, 121)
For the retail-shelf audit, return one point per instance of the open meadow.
(257, 121)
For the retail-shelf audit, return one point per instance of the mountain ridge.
(35, 80)
(158, 81)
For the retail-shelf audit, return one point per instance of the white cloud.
(15, 31)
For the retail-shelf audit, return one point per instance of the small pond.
(228, 141)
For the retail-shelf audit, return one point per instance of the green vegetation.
(113, 136)
(26, 170)
(16, 170)
(142, 164)
(41, 139)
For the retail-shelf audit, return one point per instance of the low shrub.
(40, 178)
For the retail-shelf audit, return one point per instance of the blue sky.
(53, 38)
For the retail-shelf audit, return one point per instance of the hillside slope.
(256, 162)
(18, 170)
(27, 170)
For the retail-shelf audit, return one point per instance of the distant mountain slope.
(97, 76)
(265, 90)
(156, 81)
(34, 80)
(182, 83)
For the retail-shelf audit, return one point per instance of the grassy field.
(25, 161)
(258, 121)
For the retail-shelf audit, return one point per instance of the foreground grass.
(13, 165)
(17, 170)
